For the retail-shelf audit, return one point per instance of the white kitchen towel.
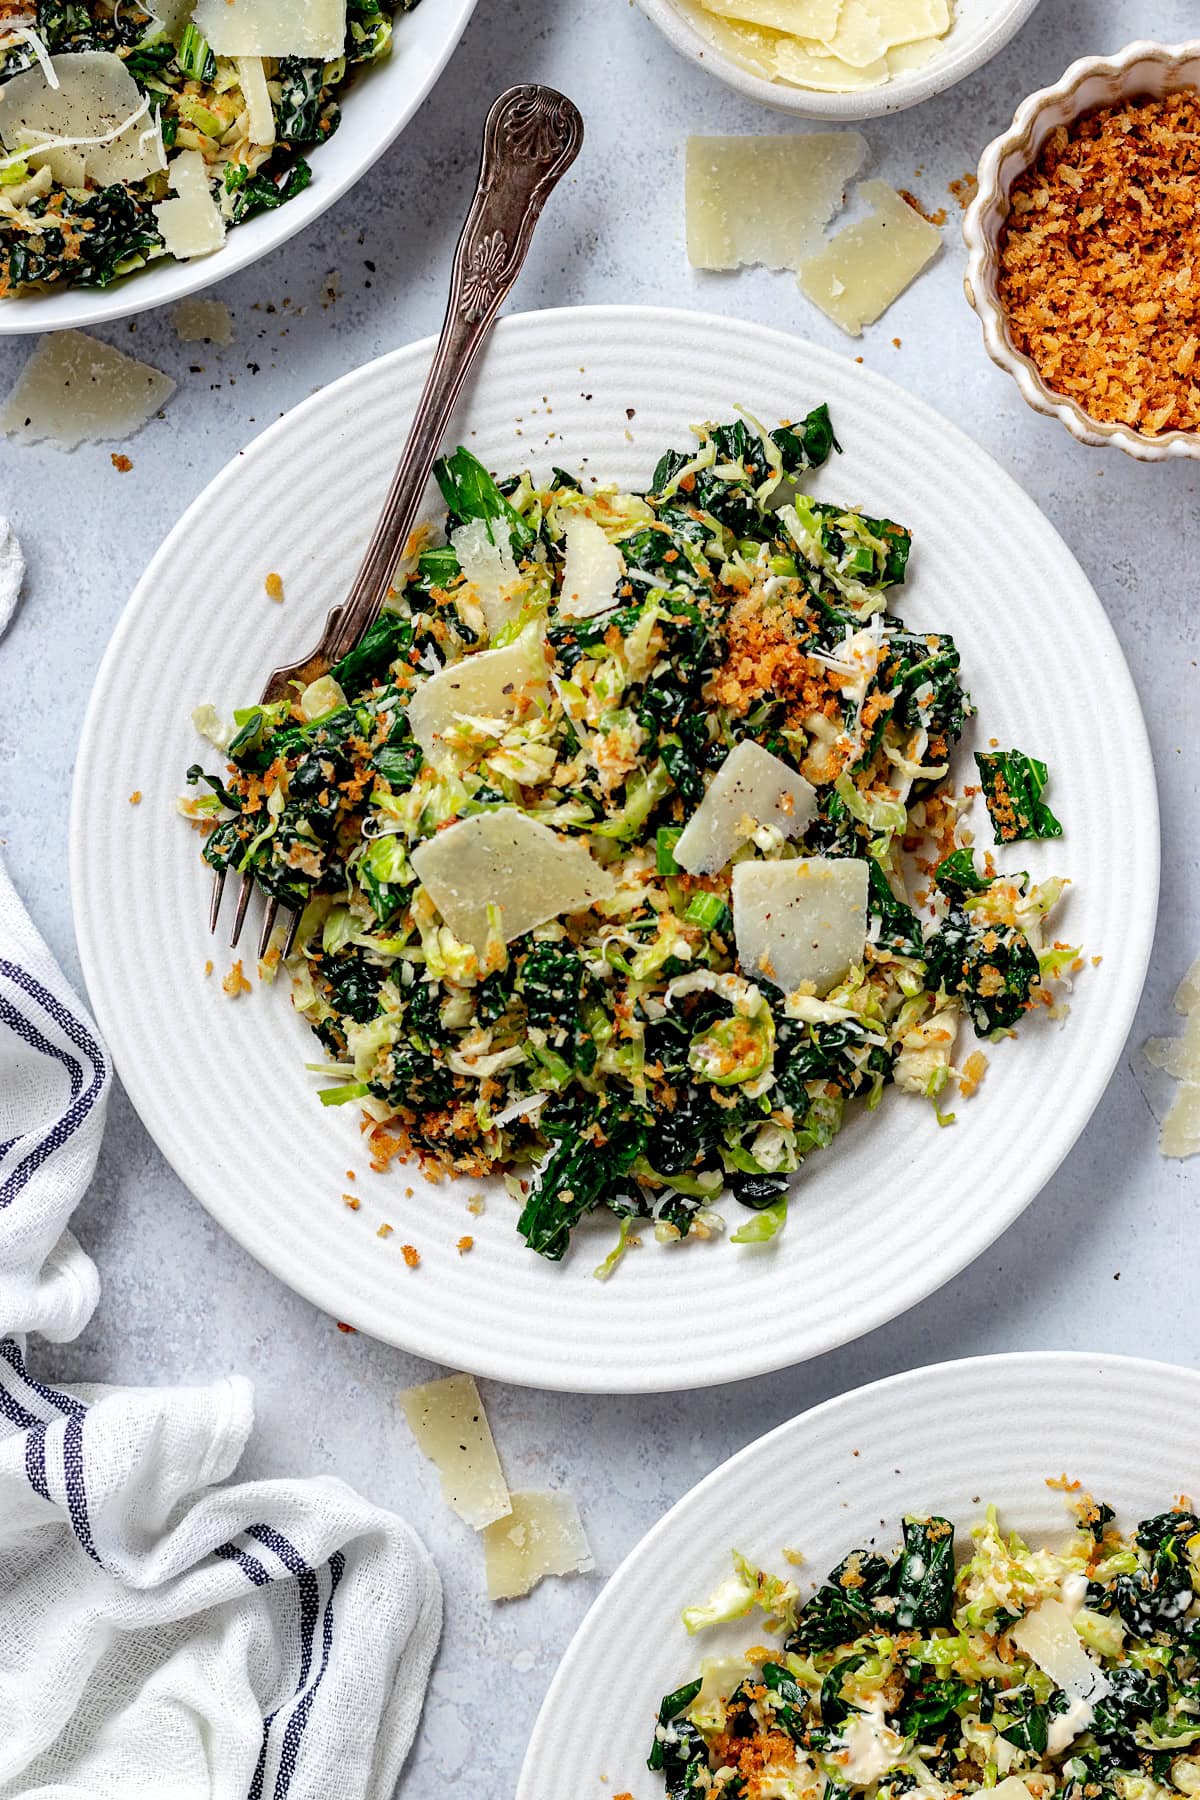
(161, 1633)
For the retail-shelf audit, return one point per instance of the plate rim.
(107, 306)
(319, 1289)
(960, 1367)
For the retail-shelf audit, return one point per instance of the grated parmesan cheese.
(315, 28)
(544, 1536)
(506, 860)
(77, 390)
(802, 922)
(591, 571)
(1179, 1057)
(203, 322)
(751, 789)
(192, 225)
(92, 125)
(451, 1429)
(765, 199)
(868, 266)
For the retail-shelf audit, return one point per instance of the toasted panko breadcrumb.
(235, 982)
(1100, 263)
(411, 1254)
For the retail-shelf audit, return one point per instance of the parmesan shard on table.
(76, 389)
(868, 265)
(451, 1429)
(203, 322)
(801, 923)
(752, 788)
(1179, 1057)
(192, 224)
(95, 125)
(310, 28)
(766, 199)
(544, 1536)
(505, 858)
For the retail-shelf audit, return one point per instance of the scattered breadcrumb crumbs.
(350, 1330)
(964, 189)
(121, 463)
(930, 218)
(208, 968)
(795, 1557)
(350, 1175)
(385, 1231)
(1063, 1484)
(1096, 961)
(476, 1204)
(235, 982)
(274, 586)
(464, 1244)
(896, 343)
(1099, 270)
(352, 1201)
(973, 1072)
(135, 799)
(411, 1254)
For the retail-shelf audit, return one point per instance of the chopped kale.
(1013, 784)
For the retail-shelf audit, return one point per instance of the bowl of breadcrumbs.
(1083, 250)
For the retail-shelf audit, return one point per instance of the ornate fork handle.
(531, 138)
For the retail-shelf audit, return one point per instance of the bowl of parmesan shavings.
(839, 59)
(1083, 251)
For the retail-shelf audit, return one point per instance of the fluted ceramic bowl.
(1142, 70)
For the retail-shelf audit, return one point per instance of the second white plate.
(896, 1206)
(946, 1440)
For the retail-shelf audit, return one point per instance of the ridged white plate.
(375, 109)
(897, 1206)
(948, 1440)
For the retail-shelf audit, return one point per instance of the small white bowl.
(377, 107)
(1142, 70)
(979, 30)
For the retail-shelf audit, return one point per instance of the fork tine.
(239, 917)
(264, 936)
(218, 890)
(293, 928)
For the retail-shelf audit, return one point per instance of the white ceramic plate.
(375, 110)
(897, 1206)
(944, 1440)
(979, 30)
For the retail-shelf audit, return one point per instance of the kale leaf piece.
(924, 673)
(841, 1609)
(262, 193)
(471, 493)
(110, 233)
(302, 114)
(592, 1153)
(377, 649)
(992, 969)
(899, 927)
(1013, 784)
(672, 1705)
(931, 1708)
(925, 1582)
(1158, 1598)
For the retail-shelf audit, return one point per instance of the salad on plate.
(626, 847)
(131, 132)
(1024, 1674)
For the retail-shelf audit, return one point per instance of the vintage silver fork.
(531, 138)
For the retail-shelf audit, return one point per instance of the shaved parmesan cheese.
(448, 1421)
(912, 56)
(591, 571)
(811, 66)
(490, 569)
(494, 684)
(252, 79)
(765, 199)
(544, 1536)
(1179, 1057)
(203, 322)
(12, 573)
(748, 45)
(867, 266)
(752, 788)
(506, 859)
(1011, 1788)
(76, 390)
(1047, 1636)
(191, 225)
(93, 125)
(171, 17)
(802, 18)
(868, 29)
(800, 923)
(273, 27)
